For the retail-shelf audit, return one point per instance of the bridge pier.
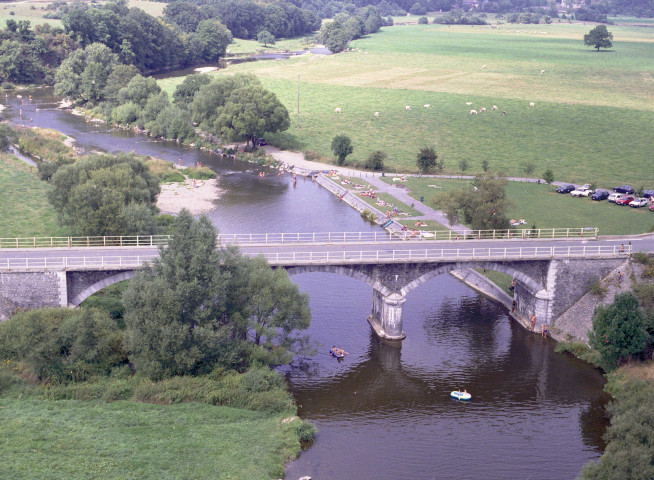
(386, 316)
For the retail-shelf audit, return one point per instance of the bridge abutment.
(386, 316)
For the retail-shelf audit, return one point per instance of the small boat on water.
(337, 352)
(458, 395)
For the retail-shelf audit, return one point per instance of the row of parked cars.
(622, 195)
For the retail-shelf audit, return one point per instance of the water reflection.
(392, 406)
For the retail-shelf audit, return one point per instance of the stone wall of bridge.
(26, 290)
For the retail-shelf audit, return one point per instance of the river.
(385, 412)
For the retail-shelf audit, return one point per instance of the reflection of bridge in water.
(550, 274)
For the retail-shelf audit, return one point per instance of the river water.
(385, 412)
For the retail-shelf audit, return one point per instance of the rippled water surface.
(384, 412)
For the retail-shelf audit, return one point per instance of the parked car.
(625, 200)
(639, 202)
(648, 193)
(600, 195)
(624, 189)
(651, 207)
(566, 188)
(615, 197)
(583, 191)
(262, 142)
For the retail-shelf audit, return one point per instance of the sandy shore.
(199, 199)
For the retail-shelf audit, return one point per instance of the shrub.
(598, 289)
(306, 431)
(423, 21)
(172, 177)
(199, 173)
(579, 350)
(375, 160)
(126, 113)
(640, 257)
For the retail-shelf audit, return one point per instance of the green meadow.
(24, 204)
(71, 440)
(593, 117)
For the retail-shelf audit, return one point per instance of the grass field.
(80, 440)
(25, 208)
(540, 205)
(592, 121)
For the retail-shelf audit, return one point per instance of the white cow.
(542, 71)
(427, 105)
(337, 110)
(494, 107)
(473, 112)
(532, 105)
(483, 109)
(407, 108)
(468, 103)
(377, 114)
(483, 67)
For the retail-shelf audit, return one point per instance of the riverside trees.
(198, 306)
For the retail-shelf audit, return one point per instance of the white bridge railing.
(303, 238)
(337, 258)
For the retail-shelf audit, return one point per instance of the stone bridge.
(546, 287)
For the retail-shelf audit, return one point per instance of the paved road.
(402, 249)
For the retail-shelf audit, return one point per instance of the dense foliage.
(482, 207)
(105, 195)
(197, 307)
(619, 330)
(63, 345)
(599, 37)
(338, 33)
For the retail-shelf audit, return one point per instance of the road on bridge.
(373, 252)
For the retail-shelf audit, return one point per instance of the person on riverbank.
(533, 322)
(543, 330)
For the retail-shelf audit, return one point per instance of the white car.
(584, 191)
(639, 202)
(614, 197)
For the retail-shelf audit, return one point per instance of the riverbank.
(196, 196)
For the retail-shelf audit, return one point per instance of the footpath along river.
(383, 412)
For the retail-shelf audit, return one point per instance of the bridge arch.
(353, 272)
(531, 284)
(99, 285)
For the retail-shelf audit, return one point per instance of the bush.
(423, 21)
(126, 113)
(598, 289)
(8, 86)
(172, 177)
(306, 431)
(199, 173)
(579, 350)
(640, 257)
(375, 160)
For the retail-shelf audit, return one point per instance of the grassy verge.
(25, 208)
(500, 279)
(539, 204)
(69, 439)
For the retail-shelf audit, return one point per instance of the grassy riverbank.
(25, 208)
(69, 439)
(592, 119)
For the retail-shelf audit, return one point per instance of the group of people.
(513, 221)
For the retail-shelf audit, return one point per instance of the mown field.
(70, 440)
(592, 121)
(540, 205)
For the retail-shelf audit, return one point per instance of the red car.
(651, 208)
(624, 200)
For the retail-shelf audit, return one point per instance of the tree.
(618, 330)
(173, 308)
(485, 165)
(214, 38)
(528, 168)
(599, 37)
(275, 306)
(426, 159)
(91, 194)
(266, 38)
(185, 91)
(375, 160)
(250, 112)
(463, 165)
(482, 208)
(548, 176)
(342, 147)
